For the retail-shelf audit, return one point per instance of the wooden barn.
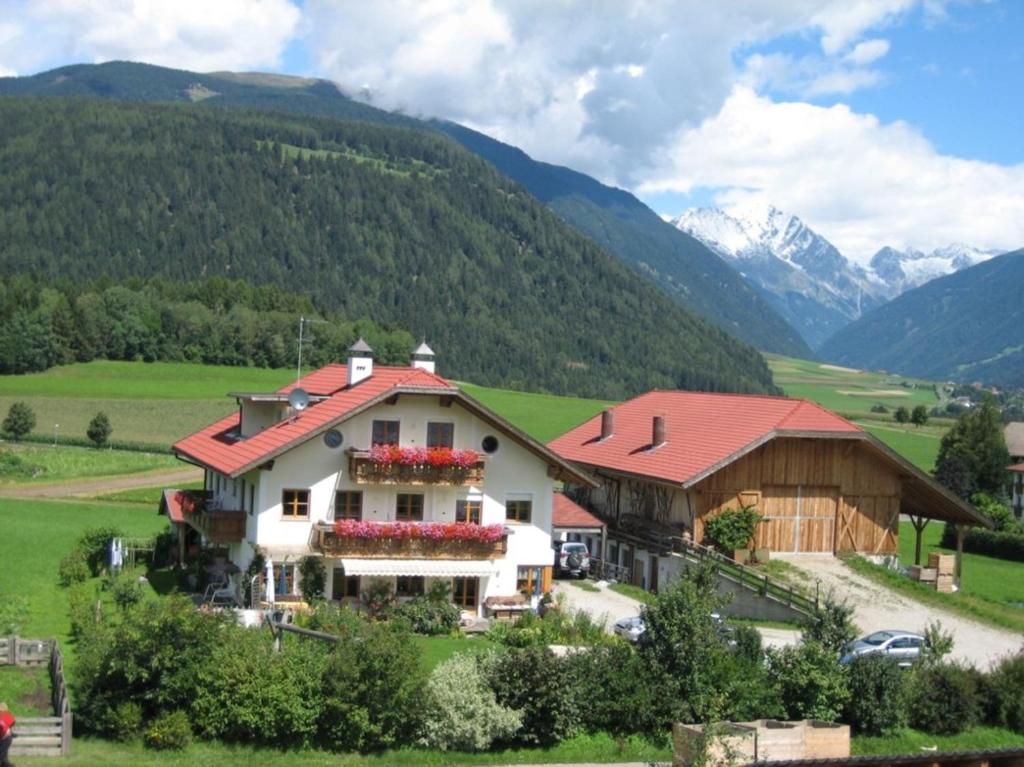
(668, 461)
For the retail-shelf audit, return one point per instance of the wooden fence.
(40, 735)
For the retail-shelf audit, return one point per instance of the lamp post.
(56, 427)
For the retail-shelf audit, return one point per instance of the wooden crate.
(923, 574)
(944, 564)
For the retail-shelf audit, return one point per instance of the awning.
(431, 568)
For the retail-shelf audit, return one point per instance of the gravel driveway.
(876, 607)
(608, 606)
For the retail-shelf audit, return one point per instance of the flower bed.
(431, 531)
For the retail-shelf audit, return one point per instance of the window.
(344, 586)
(284, 579)
(409, 507)
(468, 511)
(385, 433)
(518, 510)
(489, 444)
(295, 504)
(440, 434)
(526, 579)
(409, 586)
(348, 504)
(464, 592)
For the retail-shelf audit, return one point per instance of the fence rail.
(41, 735)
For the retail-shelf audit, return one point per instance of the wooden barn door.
(817, 518)
(798, 518)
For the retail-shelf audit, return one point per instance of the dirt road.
(98, 485)
(876, 608)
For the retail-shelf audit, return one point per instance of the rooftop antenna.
(303, 322)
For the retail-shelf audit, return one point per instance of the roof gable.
(702, 431)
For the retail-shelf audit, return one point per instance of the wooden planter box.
(363, 471)
(331, 544)
(826, 740)
(731, 744)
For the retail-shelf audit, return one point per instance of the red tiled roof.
(567, 513)
(702, 431)
(216, 447)
(1016, 467)
(172, 506)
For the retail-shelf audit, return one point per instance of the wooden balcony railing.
(219, 526)
(329, 543)
(364, 471)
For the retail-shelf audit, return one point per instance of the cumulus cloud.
(597, 84)
(862, 183)
(190, 34)
(868, 51)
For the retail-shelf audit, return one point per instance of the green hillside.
(963, 327)
(400, 226)
(689, 272)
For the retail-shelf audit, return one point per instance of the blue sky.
(879, 122)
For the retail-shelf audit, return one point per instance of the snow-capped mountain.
(902, 270)
(805, 276)
(807, 279)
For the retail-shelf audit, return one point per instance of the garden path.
(877, 608)
(95, 485)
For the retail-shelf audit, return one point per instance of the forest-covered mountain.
(690, 273)
(965, 327)
(401, 226)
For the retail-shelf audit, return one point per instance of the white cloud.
(868, 51)
(861, 183)
(190, 34)
(599, 84)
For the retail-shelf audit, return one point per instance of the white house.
(389, 473)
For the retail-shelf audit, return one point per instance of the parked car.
(572, 558)
(904, 646)
(630, 629)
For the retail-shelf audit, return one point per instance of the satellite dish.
(298, 399)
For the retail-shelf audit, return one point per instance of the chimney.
(360, 362)
(607, 424)
(658, 437)
(423, 358)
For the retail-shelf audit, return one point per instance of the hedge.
(987, 542)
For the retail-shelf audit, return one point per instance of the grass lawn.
(919, 446)
(67, 463)
(912, 741)
(437, 650)
(996, 580)
(148, 496)
(26, 691)
(37, 534)
(542, 416)
(89, 752)
(633, 592)
(585, 585)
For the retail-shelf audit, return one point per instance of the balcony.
(410, 540)
(215, 524)
(412, 466)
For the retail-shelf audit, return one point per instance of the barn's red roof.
(219, 446)
(566, 512)
(702, 431)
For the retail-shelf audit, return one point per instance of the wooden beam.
(919, 523)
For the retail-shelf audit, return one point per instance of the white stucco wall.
(512, 472)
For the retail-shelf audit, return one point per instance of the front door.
(798, 518)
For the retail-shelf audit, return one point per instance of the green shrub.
(536, 683)
(20, 421)
(332, 618)
(811, 683)
(427, 617)
(1006, 685)
(617, 691)
(377, 600)
(938, 643)
(81, 610)
(556, 626)
(125, 589)
(122, 721)
(462, 712)
(246, 692)
(312, 578)
(99, 430)
(877, 704)
(732, 529)
(14, 467)
(169, 732)
(373, 691)
(94, 543)
(831, 626)
(74, 568)
(748, 643)
(943, 699)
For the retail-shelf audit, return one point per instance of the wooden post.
(958, 568)
(919, 523)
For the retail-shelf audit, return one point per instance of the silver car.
(630, 629)
(904, 646)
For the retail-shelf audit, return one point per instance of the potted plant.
(732, 531)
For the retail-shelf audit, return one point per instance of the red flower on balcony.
(436, 457)
(435, 531)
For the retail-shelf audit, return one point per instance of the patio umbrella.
(270, 580)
